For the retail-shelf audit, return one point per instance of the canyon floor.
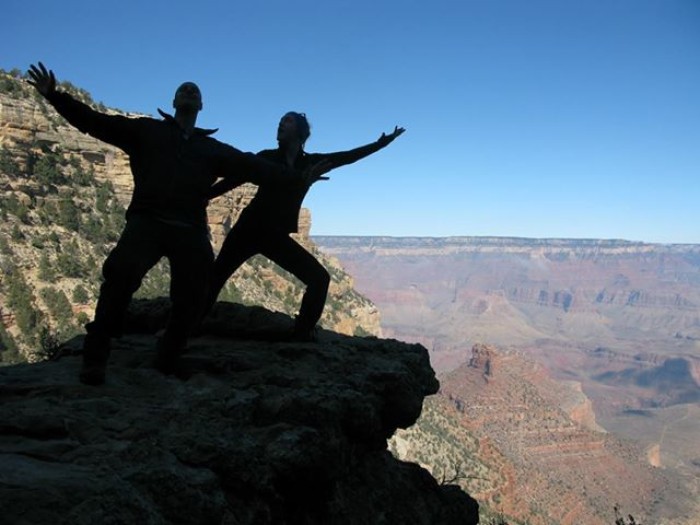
(619, 320)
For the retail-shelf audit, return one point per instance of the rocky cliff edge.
(255, 430)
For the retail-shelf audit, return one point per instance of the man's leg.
(136, 252)
(291, 256)
(191, 258)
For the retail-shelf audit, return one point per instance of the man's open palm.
(42, 79)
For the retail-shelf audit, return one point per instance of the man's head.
(293, 126)
(188, 97)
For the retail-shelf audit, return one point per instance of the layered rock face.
(28, 123)
(609, 294)
(254, 430)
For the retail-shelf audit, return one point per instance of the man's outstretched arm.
(114, 129)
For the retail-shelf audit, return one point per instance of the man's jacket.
(172, 173)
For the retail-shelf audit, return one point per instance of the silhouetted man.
(173, 164)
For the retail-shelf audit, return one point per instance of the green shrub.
(58, 304)
(46, 170)
(80, 295)
(68, 214)
(69, 261)
(16, 235)
(81, 176)
(103, 196)
(8, 165)
(82, 318)
(9, 352)
(5, 247)
(49, 344)
(12, 205)
(46, 270)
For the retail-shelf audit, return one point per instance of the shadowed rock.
(258, 432)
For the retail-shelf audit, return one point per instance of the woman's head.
(293, 126)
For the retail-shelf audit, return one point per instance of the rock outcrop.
(529, 446)
(256, 430)
(484, 359)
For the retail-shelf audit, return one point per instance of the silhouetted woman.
(265, 224)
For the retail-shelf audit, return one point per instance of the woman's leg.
(291, 256)
(239, 245)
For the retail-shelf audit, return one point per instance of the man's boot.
(95, 355)
(303, 333)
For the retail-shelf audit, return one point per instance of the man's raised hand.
(42, 79)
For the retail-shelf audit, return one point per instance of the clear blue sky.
(537, 118)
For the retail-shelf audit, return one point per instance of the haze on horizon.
(539, 119)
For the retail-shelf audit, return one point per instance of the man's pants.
(143, 243)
